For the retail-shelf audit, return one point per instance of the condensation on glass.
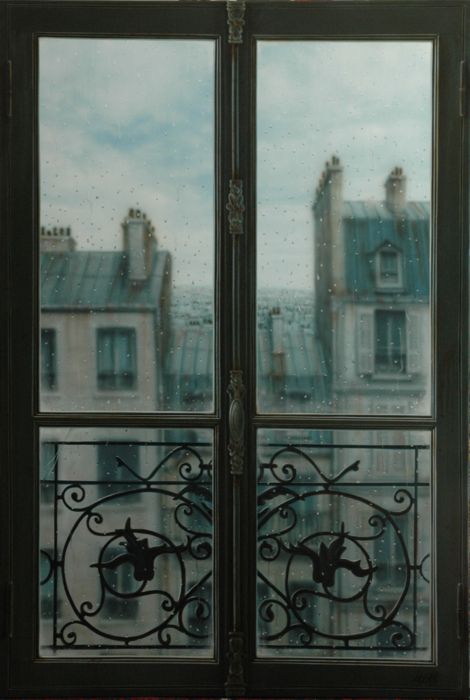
(126, 224)
(344, 545)
(126, 543)
(344, 181)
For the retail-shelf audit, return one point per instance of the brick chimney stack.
(56, 240)
(139, 245)
(395, 191)
(328, 214)
(278, 353)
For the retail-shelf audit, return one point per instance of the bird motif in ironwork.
(328, 559)
(139, 554)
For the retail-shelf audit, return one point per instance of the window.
(48, 359)
(389, 269)
(390, 342)
(116, 356)
(251, 478)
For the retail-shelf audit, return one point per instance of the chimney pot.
(57, 239)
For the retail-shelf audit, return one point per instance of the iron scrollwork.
(133, 565)
(337, 569)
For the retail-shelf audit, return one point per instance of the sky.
(130, 123)
(369, 103)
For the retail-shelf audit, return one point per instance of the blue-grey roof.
(98, 280)
(368, 226)
(189, 367)
(295, 379)
(378, 210)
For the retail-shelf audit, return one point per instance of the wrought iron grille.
(343, 561)
(126, 559)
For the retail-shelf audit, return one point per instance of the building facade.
(372, 296)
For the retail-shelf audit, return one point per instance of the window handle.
(236, 422)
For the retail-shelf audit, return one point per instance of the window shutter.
(365, 342)
(413, 342)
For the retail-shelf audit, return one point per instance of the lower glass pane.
(126, 550)
(344, 544)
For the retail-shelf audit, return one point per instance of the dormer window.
(389, 268)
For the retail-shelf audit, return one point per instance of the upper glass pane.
(127, 224)
(343, 240)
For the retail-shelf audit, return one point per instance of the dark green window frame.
(235, 669)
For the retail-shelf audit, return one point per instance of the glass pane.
(126, 542)
(344, 544)
(344, 271)
(127, 224)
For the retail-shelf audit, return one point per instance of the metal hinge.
(463, 88)
(11, 601)
(235, 20)
(9, 89)
(461, 622)
(235, 207)
(7, 622)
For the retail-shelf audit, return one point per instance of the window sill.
(390, 377)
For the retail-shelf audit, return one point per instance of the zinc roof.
(367, 226)
(97, 280)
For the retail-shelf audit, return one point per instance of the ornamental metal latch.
(235, 20)
(235, 207)
(236, 421)
(235, 685)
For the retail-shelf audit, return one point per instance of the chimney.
(277, 336)
(395, 191)
(328, 215)
(56, 240)
(329, 191)
(139, 245)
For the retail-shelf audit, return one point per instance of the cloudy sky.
(367, 102)
(130, 123)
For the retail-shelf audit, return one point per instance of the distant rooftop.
(369, 226)
(98, 280)
(413, 211)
